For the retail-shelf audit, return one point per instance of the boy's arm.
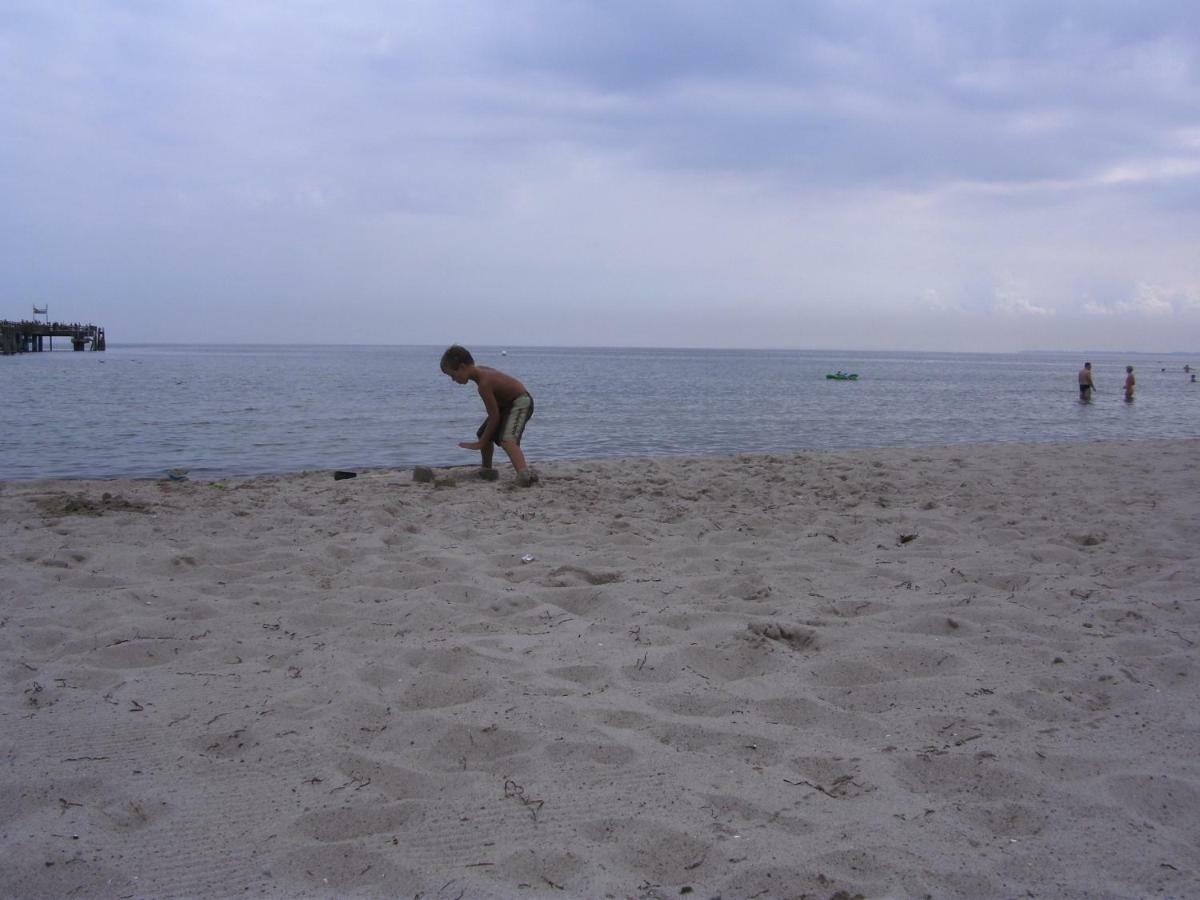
(493, 418)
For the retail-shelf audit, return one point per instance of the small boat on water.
(843, 376)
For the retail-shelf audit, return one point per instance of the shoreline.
(966, 670)
(549, 465)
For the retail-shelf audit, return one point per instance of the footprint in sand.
(651, 849)
(794, 637)
(837, 778)
(347, 823)
(733, 813)
(1162, 799)
(588, 676)
(437, 691)
(576, 753)
(697, 706)
(964, 775)
(394, 782)
(1007, 819)
(566, 576)
(462, 748)
(731, 662)
(236, 744)
(816, 717)
(130, 814)
(319, 870)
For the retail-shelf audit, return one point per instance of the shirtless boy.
(508, 406)
(1130, 384)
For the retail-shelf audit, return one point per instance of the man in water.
(1085, 383)
(1130, 381)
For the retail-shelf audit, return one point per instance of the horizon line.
(649, 347)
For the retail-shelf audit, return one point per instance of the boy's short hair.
(456, 356)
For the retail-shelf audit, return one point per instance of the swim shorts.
(512, 420)
(1083, 389)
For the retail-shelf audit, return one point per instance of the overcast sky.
(900, 175)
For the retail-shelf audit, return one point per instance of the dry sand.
(951, 672)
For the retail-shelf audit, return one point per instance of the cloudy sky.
(901, 175)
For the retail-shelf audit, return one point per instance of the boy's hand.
(471, 445)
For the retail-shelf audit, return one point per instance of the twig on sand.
(360, 782)
(517, 792)
(144, 637)
(815, 787)
(211, 674)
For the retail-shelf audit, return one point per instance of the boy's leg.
(525, 475)
(487, 473)
(513, 449)
(485, 452)
(511, 429)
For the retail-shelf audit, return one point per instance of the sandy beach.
(952, 672)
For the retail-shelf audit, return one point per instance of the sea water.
(140, 411)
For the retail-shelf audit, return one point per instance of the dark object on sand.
(423, 473)
(341, 476)
(489, 474)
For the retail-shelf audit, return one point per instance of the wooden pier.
(31, 337)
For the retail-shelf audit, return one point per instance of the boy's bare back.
(499, 384)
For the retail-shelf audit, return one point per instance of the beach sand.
(966, 671)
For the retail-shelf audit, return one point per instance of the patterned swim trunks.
(512, 420)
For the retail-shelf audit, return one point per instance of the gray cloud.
(1029, 160)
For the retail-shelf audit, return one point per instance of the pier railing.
(31, 337)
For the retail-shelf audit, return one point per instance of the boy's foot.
(526, 477)
(489, 474)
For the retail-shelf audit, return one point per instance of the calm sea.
(138, 411)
